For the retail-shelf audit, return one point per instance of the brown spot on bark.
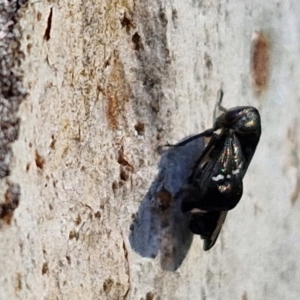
(296, 191)
(126, 22)
(164, 199)
(122, 161)
(118, 93)
(28, 47)
(52, 145)
(112, 111)
(257, 209)
(245, 297)
(68, 258)
(45, 268)
(208, 62)
(39, 160)
(174, 14)
(107, 285)
(149, 296)
(137, 43)
(260, 62)
(98, 215)
(39, 16)
(73, 235)
(78, 220)
(125, 167)
(140, 128)
(115, 185)
(18, 281)
(124, 175)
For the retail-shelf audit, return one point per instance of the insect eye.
(229, 117)
(232, 115)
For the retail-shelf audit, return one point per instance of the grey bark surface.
(87, 207)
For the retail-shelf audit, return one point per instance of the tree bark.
(87, 202)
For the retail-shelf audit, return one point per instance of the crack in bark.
(126, 267)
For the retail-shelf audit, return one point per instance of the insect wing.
(209, 242)
(231, 162)
(217, 184)
(215, 187)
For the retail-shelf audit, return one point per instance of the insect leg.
(206, 133)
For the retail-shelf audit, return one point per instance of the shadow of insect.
(160, 226)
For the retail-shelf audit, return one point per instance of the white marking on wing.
(197, 210)
(217, 178)
(237, 171)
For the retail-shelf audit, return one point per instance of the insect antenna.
(218, 104)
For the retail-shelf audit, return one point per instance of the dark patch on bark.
(12, 93)
(153, 60)
(11, 202)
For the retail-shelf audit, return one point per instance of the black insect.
(216, 182)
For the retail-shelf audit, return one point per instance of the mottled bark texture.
(87, 207)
